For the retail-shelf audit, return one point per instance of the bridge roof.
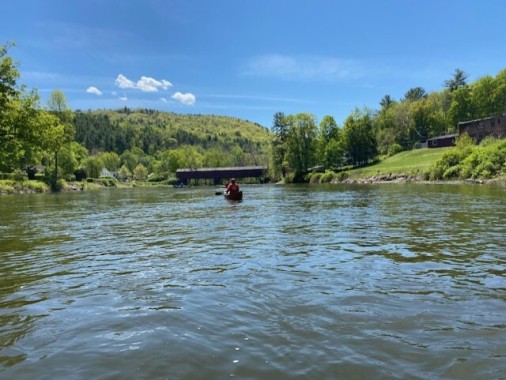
(206, 173)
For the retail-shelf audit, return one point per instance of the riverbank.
(410, 178)
(9, 187)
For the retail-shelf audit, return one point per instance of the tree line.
(301, 144)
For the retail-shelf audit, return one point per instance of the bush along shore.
(464, 163)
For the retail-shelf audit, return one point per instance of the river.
(393, 281)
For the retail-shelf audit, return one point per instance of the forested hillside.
(153, 131)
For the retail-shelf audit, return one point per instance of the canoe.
(233, 196)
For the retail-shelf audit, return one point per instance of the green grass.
(8, 186)
(411, 162)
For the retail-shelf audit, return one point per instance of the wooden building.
(494, 126)
(442, 141)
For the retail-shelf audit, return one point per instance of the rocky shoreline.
(408, 178)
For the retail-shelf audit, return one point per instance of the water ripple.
(293, 282)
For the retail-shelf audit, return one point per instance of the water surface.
(339, 282)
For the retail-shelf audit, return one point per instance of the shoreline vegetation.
(467, 163)
(11, 187)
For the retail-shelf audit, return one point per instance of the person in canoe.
(232, 187)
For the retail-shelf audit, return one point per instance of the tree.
(414, 94)
(214, 158)
(359, 139)
(176, 160)
(57, 106)
(279, 143)
(329, 146)
(129, 160)
(301, 144)
(462, 106)
(487, 98)
(458, 80)
(93, 166)
(238, 157)
(386, 102)
(25, 130)
(124, 174)
(8, 78)
(140, 173)
(111, 160)
(192, 158)
(71, 157)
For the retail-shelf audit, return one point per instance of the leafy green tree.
(25, 130)
(192, 157)
(129, 160)
(482, 96)
(71, 157)
(214, 158)
(124, 174)
(301, 144)
(334, 153)
(237, 156)
(175, 160)
(462, 107)
(140, 173)
(359, 139)
(57, 106)
(93, 166)
(111, 160)
(279, 143)
(330, 149)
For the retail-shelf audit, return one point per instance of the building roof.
(482, 119)
(444, 137)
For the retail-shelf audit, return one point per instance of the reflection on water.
(380, 281)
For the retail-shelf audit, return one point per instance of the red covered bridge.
(219, 174)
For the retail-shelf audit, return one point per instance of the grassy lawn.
(410, 162)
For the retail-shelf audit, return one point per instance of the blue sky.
(250, 58)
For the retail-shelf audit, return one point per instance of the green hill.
(153, 131)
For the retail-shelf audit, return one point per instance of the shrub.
(341, 176)
(328, 177)
(107, 181)
(156, 177)
(315, 177)
(59, 185)
(20, 176)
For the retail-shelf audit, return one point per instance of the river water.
(340, 282)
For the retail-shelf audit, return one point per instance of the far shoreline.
(23, 187)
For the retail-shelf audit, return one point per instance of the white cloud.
(93, 90)
(145, 84)
(124, 98)
(166, 84)
(164, 100)
(304, 67)
(187, 98)
(123, 82)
